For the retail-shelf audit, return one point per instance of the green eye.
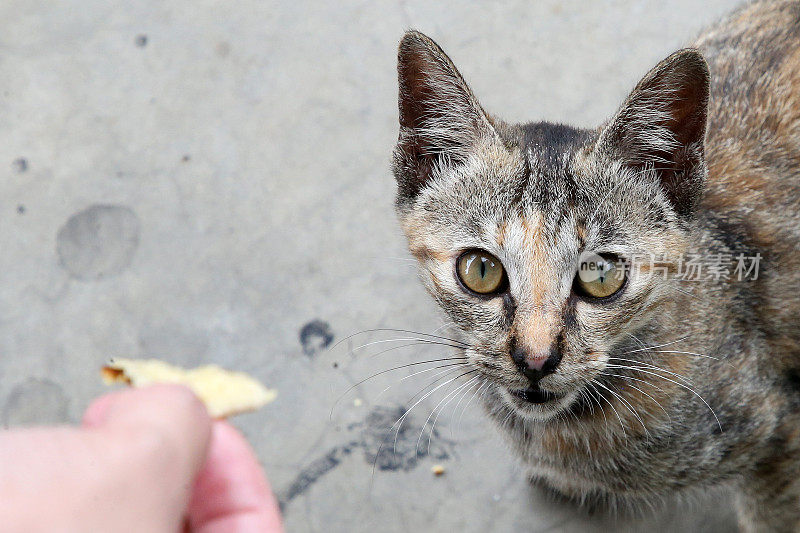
(599, 276)
(481, 272)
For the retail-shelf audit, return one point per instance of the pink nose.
(538, 365)
(536, 361)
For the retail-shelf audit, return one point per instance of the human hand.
(144, 460)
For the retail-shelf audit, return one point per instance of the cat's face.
(502, 218)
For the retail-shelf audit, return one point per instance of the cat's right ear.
(440, 119)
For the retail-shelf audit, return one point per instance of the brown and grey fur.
(702, 157)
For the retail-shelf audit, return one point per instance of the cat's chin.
(538, 404)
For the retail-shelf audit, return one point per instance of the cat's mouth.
(537, 403)
(535, 395)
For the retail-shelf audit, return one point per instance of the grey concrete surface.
(207, 181)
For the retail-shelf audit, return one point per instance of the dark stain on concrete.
(315, 337)
(141, 40)
(35, 402)
(98, 242)
(314, 471)
(20, 165)
(379, 447)
(21, 209)
(392, 450)
(223, 49)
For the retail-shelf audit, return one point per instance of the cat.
(562, 256)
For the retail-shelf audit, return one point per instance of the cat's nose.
(535, 366)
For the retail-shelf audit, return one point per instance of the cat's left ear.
(440, 119)
(662, 125)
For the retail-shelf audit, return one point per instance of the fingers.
(132, 467)
(231, 493)
(157, 438)
(170, 414)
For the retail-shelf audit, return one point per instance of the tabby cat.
(628, 294)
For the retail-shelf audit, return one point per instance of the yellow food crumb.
(224, 392)
(437, 470)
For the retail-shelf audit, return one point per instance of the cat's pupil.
(483, 268)
(604, 270)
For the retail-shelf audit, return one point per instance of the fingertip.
(232, 488)
(165, 397)
(229, 441)
(181, 400)
(229, 445)
(97, 412)
(171, 412)
(156, 438)
(153, 401)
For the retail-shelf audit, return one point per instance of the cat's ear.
(662, 125)
(440, 119)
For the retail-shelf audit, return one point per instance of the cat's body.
(669, 385)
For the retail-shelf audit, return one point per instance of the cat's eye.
(600, 276)
(481, 272)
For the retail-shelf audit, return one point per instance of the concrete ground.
(208, 181)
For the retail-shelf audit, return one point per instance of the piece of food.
(437, 470)
(224, 392)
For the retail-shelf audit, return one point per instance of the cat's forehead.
(528, 170)
(550, 146)
(505, 194)
(551, 152)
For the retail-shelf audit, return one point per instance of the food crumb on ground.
(437, 470)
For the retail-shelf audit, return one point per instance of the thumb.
(164, 431)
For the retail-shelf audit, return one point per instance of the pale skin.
(143, 460)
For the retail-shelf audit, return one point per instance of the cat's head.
(505, 219)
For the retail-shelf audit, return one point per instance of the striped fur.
(674, 386)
